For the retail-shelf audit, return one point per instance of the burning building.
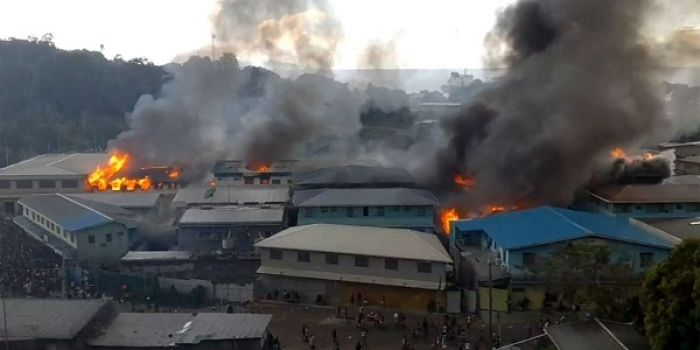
(236, 172)
(120, 173)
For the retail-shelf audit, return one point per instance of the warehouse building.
(158, 263)
(389, 207)
(404, 269)
(647, 202)
(80, 230)
(353, 176)
(147, 205)
(237, 172)
(194, 196)
(48, 173)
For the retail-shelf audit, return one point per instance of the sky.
(447, 34)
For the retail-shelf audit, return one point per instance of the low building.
(404, 269)
(194, 196)
(688, 165)
(661, 201)
(353, 176)
(390, 207)
(48, 173)
(81, 230)
(685, 228)
(237, 172)
(208, 229)
(158, 263)
(202, 331)
(518, 241)
(50, 324)
(683, 149)
(150, 204)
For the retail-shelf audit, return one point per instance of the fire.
(262, 169)
(105, 178)
(649, 156)
(174, 174)
(618, 153)
(464, 182)
(494, 209)
(447, 216)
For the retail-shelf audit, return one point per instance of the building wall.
(407, 269)
(686, 168)
(54, 228)
(648, 210)
(253, 179)
(416, 217)
(11, 191)
(101, 249)
(687, 151)
(208, 238)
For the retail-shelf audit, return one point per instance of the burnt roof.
(656, 193)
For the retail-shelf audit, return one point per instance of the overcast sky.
(446, 34)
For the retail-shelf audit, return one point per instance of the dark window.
(365, 211)
(637, 207)
(72, 237)
(276, 182)
(34, 216)
(391, 264)
(289, 181)
(24, 184)
(334, 209)
(406, 208)
(4, 184)
(303, 256)
(624, 208)
(120, 233)
(108, 237)
(361, 261)
(249, 180)
(529, 260)
(692, 207)
(275, 254)
(425, 267)
(421, 211)
(679, 206)
(331, 259)
(380, 211)
(324, 209)
(396, 208)
(47, 184)
(350, 212)
(91, 239)
(69, 183)
(308, 212)
(646, 260)
(264, 179)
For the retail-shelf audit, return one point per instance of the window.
(33, 216)
(692, 207)
(624, 208)
(324, 209)
(361, 261)
(289, 182)
(120, 233)
(4, 184)
(350, 212)
(72, 237)
(303, 257)
(108, 237)
(646, 260)
(365, 211)
(26, 211)
(529, 260)
(406, 208)
(276, 182)
(69, 183)
(679, 206)
(334, 209)
(391, 264)
(380, 211)
(331, 259)
(421, 211)
(275, 254)
(24, 184)
(308, 212)
(396, 208)
(47, 184)
(65, 233)
(249, 180)
(91, 239)
(425, 267)
(637, 207)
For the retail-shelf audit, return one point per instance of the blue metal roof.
(545, 225)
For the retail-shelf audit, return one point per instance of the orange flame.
(649, 156)
(447, 216)
(105, 177)
(262, 169)
(618, 153)
(464, 182)
(174, 174)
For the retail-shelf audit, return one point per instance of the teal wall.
(416, 217)
(648, 210)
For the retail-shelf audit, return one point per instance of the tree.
(671, 300)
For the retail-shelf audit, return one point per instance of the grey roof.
(684, 228)
(74, 213)
(231, 195)
(170, 329)
(56, 165)
(683, 180)
(134, 256)
(48, 319)
(363, 196)
(354, 175)
(132, 200)
(692, 159)
(660, 193)
(594, 334)
(240, 167)
(232, 215)
(360, 240)
(37, 232)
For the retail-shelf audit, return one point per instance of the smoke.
(579, 82)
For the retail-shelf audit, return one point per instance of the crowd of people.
(27, 267)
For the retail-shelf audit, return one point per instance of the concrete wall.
(10, 192)
(417, 217)
(253, 179)
(648, 210)
(686, 168)
(687, 151)
(102, 250)
(208, 238)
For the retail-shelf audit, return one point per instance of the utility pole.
(490, 303)
(4, 321)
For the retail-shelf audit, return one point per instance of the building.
(80, 230)
(405, 269)
(390, 207)
(158, 263)
(685, 228)
(682, 150)
(661, 201)
(59, 324)
(682, 180)
(208, 229)
(194, 196)
(202, 331)
(353, 176)
(688, 165)
(237, 172)
(148, 204)
(48, 173)
(518, 241)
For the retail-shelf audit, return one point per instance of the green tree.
(671, 300)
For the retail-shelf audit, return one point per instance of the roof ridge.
(67, 156)
(569, 220)
(72, 200)
(424, 238)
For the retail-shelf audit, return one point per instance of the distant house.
(184, 330)
(517, 241)
(688, 165)
(237, 172)
(209, 229)
(51, 323)
(405, 269)
(682, 150)
(660, 201)
(79, 229)
(389, 207)
(48, 173)
(353, 176)
(193, 196)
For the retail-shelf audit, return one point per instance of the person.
(469, 321)
(396, 319)
(383, 302)
(304, 332)
(352, 299)
(425, 329)
(363, 337)
(335, 336)
(358, 346)
(467, 346)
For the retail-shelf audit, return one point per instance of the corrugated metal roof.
(589, 334)
(546, 225)
(132, 256)
(346, 277)
(45, 237)
(48, 319)
(232, 195)
(169, 329)
(661, 193)
(363, 196)
(228, 215)
(360, 240)
(685, 228)
(56, 165)
(74, 214)
(132, 200)
(240, 167)
(354, 175)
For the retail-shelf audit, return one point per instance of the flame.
(464, 182)
(105, 177)
(494, 209)
(174, 174)
(649, 156)
(618, 153)
(447, 216)
(262, 169)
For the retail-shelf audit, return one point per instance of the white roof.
(131, 200)
(161, 255)
(335, 276)
(232, 215)
(360, 240)
(231, 195)
(56, 165)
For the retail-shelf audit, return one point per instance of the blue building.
(518, 241)
(388, 207)
(658, 201)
